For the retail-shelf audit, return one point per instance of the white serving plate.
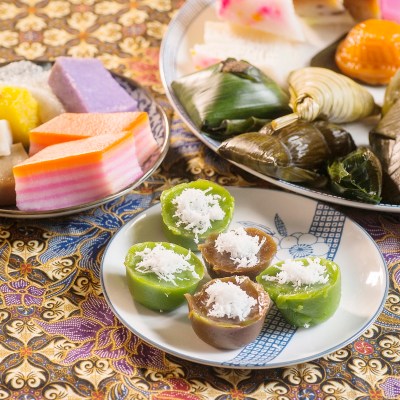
(301, 227)
(187, 29)
(161, 131)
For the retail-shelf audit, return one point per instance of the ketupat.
(19, 107)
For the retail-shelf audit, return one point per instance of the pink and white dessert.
(77, 172)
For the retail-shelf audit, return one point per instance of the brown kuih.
(221, 265)
(225, 332)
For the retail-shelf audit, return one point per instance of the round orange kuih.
(370, 52)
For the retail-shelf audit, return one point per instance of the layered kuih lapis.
(73, 126)
(76, 172)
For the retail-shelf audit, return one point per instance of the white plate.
(186, 30)
(310, 227)
(160, 128)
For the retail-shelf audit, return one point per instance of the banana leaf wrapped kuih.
(296, 153)
(230, 97)
(357, 176)
(319, 93)
(385, 142)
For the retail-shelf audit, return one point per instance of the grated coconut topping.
(228, 300)
(196, 210)
(295, 272)
(165, 263)
(242, 247)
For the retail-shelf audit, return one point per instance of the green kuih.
(192, 211)
(303, 304)
(159, 274)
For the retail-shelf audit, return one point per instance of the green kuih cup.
(186, 238)
(157, 294)
(307, 305)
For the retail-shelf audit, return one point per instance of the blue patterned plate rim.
(319, 229)
(161, 131)
(177, 40)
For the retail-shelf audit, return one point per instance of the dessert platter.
(201, 41)
(99, 148)
(296, 235)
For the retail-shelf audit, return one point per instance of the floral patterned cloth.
(58, 337)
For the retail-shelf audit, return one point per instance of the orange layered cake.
(74, 126)
(76, 172)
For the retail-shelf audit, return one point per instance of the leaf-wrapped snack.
(385, 143)
(392, 93)
(295, 153)
(321, 93)
(357, 176)
(228, 91)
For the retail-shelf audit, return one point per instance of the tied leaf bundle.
(357, 176)
(318, 93)
(385, 141)
(296, 153)
(230, 97)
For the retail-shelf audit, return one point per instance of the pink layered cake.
(84, 85)
(76, 172)
(70, 126)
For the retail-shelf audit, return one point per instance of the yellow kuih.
(20, 109)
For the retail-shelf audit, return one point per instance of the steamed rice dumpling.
(229, 94)
(296, 153)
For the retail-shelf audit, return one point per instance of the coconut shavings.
(196, 210)
(295, 272)
(242, 247)
(228, 300)
(165, 263)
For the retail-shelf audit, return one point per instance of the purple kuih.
(84, 85)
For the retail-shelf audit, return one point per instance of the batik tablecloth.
(58, 337)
